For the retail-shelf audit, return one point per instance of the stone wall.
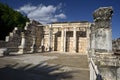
(27, 40)
(13, 40)
(33, 35)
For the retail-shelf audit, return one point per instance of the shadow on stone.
(30, 72)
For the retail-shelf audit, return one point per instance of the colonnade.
(63, 41)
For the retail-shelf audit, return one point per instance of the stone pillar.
(53, 42)
(64, 41)
(22, 46)
(103, 38)
(88, 38)
(92, 45)
(50, 38)
(87, 32)
(33, 45)
(105, 60)
(74, 40)
(42, 47)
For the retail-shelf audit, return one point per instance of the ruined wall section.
(13, 40)
(33, 34)
(27, 40)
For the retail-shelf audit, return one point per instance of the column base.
(32, 49)
(21, 50)
(49, 49)
(74, 50)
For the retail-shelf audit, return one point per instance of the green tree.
(9, 19)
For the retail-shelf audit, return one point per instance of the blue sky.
(66, 10)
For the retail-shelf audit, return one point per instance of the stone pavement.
(44, 66)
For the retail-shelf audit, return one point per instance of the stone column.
(102, 19)
(64, 41)
(74, 40)
(104, 59)
(33, 45)
(22, 46)
(50, 38)
(88, 31)
(53, 42)
(42, 47)
(88, 39)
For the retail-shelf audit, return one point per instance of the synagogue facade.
(71, 37)
(67, 36)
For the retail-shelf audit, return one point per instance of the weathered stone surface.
(101, 44)
(103, 39)
(101, 35)
(108, 73)
(102, 17)
(116, 46)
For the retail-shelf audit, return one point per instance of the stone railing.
(94, 73)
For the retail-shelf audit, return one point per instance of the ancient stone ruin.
(100, 51)
(92, 39)
(60, 36)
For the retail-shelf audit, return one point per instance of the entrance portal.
(69, 41)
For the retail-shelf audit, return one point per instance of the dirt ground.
(44, 66)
